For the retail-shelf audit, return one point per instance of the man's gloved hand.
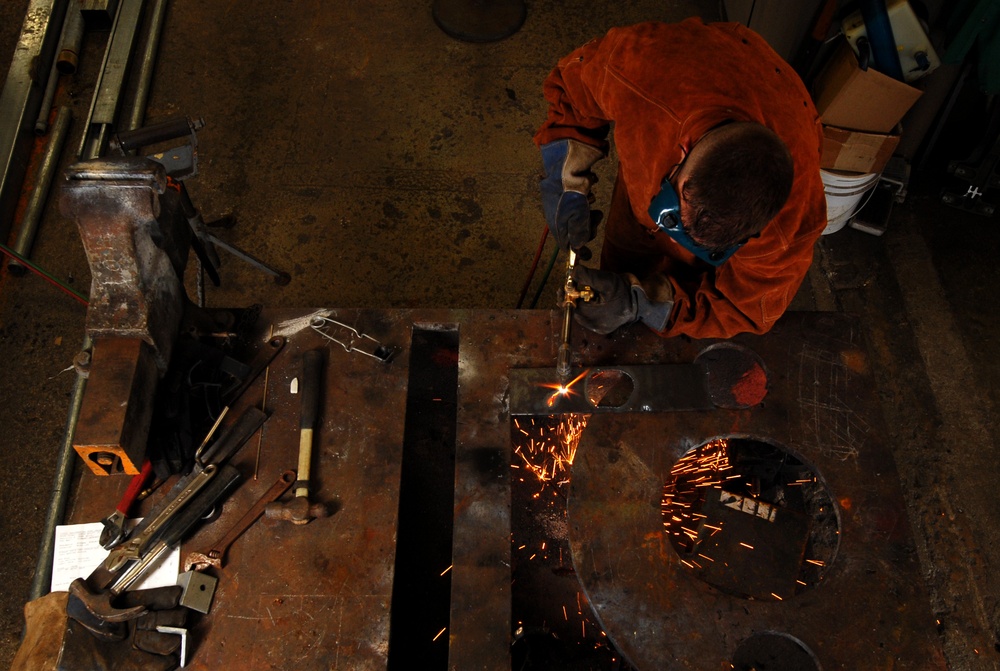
(620, 299)
(566, 191)
(97, 645)
(44, 632)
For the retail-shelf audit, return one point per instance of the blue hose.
(883, 44)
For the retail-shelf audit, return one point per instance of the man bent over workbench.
(718, 200)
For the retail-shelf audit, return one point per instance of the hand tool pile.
(111, 627)
(94, 601)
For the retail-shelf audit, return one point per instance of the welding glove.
(566, 191)
(620, 299)
(44, 631)
(93, 643)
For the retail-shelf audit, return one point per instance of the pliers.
(114, 524)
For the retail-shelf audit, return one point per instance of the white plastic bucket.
(843, 193)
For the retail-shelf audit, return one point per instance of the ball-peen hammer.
(299, 510)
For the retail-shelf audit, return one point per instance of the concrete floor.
(383, 164)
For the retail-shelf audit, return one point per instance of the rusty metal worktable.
(318, 596)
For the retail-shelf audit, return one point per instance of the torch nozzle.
(563, 368)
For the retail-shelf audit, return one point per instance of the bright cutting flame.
(562, 389)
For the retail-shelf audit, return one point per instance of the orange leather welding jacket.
(663, 86)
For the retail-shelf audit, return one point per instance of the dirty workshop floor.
(385, 165)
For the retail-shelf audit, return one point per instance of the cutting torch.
(570, 297)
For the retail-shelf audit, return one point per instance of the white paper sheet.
(78, 552)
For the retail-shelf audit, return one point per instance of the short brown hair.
(738, 186)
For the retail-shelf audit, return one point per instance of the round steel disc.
(479, 20)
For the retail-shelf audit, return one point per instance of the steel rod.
(147, 66)
(104, 106)
(72, 39)
(280, 276)
(20, 99)
(40, 194)
(41, 583)
(42, 122)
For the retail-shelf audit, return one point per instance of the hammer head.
(297, 511)
(99, 605)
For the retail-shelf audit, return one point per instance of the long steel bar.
(45, 109)
(72, 39)
(280, 277)
(42, 581)
(21, 97)
(533, 391)
(40, 194)
(107, 94)
(42, 120)
(147, 65)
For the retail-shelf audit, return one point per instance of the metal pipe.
(20, 99)
(40, 194)
(41, 583)
(42, 122)
(104, 106)
(147, 66)
(72, 38)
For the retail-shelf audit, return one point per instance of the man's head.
(735, 179)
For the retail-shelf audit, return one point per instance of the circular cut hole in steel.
(750, 518)
(609, 388)
(774, 652)
(737, 378)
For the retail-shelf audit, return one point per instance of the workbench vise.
(137, 242)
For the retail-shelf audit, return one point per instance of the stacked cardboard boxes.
(860, 109)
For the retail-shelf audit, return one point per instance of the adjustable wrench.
(99, 589)
(214, 557)
(134, 547)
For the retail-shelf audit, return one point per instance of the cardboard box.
(866, 100)
(856, 151)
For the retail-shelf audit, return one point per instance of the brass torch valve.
(570, 296)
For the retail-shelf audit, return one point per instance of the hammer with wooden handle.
(299, 510)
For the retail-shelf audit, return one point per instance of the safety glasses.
(665, 210)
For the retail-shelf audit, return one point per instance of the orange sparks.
(550, 455)
(439, 634)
